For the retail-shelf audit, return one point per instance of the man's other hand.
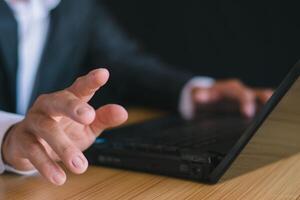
(58, 127)
(235, 91)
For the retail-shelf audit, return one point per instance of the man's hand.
(58, 127)
(233, 90)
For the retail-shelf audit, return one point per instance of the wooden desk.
(267, 169)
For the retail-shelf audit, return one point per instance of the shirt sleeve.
(186, 104)
(6, 121)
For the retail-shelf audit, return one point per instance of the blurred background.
(256, 41)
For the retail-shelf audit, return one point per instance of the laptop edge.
(254, 126)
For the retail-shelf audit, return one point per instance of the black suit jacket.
(83, 36)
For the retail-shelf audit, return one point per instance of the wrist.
(11, 157)
(6, 143)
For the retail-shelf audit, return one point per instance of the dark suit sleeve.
(136, 78)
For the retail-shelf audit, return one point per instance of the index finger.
(85, 87)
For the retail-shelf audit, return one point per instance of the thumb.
(108, 116)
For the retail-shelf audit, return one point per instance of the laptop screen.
(274, 135)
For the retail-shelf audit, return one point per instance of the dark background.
(256, 41)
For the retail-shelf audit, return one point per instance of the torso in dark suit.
(83, 36)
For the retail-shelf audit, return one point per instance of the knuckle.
(42, 98)
(67, 150)
(45, 167)
(71, 103)
(33, 149)
(66, 99)
(55, 99)
(46, 124)
(40, 103)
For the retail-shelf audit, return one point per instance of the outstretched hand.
(58, 127)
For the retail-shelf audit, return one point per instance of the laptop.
(200, 150)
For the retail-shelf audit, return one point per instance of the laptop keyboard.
(171, 134)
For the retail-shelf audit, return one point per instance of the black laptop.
(200, 150)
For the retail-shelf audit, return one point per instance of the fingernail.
(78, 162)
(58, 178)
(250, 110)
(83, 110)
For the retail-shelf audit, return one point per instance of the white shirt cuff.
(24, 173)
(186, 103)
(6, 121)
